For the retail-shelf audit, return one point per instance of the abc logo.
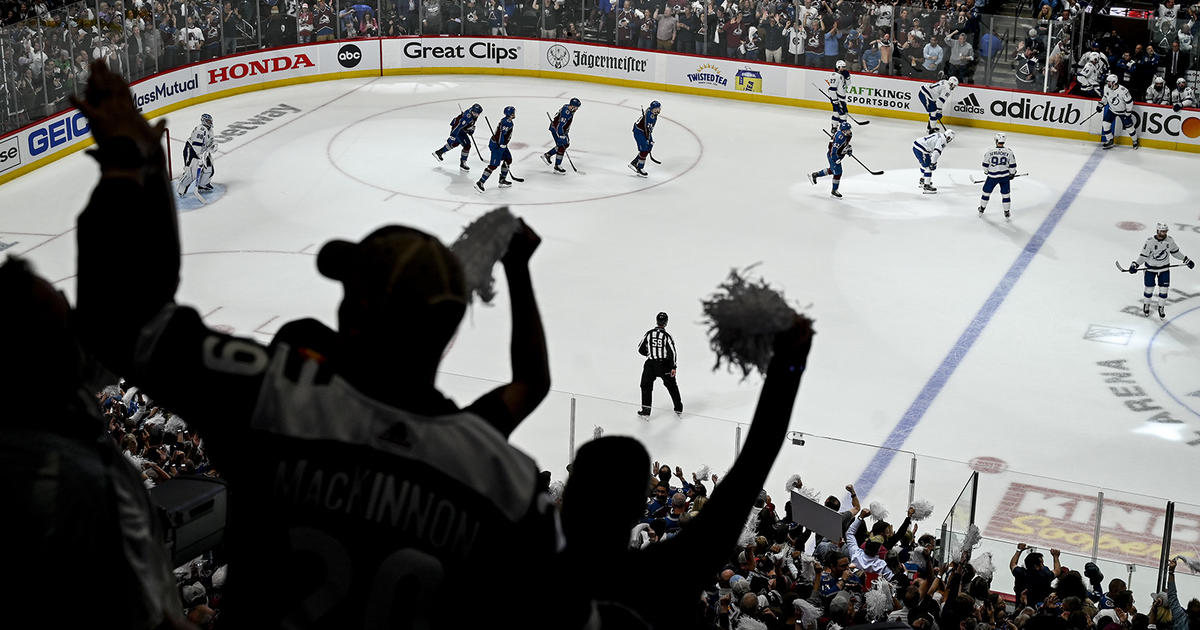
(349, 56)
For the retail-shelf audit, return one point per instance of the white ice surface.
(892, 277)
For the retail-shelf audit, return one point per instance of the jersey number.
(999, 160)
(420, 575)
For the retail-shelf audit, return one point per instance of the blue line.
(1150, 361)
(916, 411)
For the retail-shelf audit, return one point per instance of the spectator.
(404, 294)
(961, 58)
(872, 58)
(1175, 63)
(933, 58)
(832, 46)
(77, 497)
(1034, 577)
(666, 28)
(773, 38)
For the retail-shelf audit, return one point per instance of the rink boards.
(869, 95)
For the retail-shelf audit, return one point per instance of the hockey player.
(643, 134)
(461, 128)
(838, 83)
(1092, 66)
(839, 148)
(499, 147)
(1116, 103)
(1000, 166)
(934, 96)
(560, 128)
(197, 159)
(1182, 96)
(1154, 262)
(928, 150)
(1157, 93)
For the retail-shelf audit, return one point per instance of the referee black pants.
(657, 368)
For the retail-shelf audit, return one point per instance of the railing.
(44, 59)
(1123, 532)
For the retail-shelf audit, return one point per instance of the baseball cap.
(395, 266)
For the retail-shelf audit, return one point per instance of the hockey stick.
(491, 131)
(651, 141)
(856, 158)
(569, 160)
(848, 114)
(472, 134)
(1089, 117)
(980, 181)
(1126, 269)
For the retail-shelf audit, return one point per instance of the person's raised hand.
(115, 121)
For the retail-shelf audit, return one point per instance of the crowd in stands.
(46, 46)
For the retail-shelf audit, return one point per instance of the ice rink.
(1013, 345)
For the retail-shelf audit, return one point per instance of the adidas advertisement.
(969, 105)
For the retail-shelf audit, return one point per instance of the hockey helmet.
(949, 135)
(1181, 82)
(655, 105)
(840, 65)
(845, 126)
(661, 318)
(1161, 227)
(1033, 32)
(1000, 138)
(575, 102)
(206, 120)
(953, 81)
(1111, 79)
(1158, 81)
(477, 108)
(510, 111)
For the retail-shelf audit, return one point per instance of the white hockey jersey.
(1183, 98)
(837, 87)
(999, 163)
(1088, 76)
(1155, 253)
(1118, 100)
(933, 145)
(1158, 95)
(200, 145)
(939, 92)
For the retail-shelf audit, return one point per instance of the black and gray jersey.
(657, 344)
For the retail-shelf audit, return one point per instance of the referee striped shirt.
(658, 345)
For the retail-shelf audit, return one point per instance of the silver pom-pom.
(749, 623)
(809, 613)
(811, 493)
(750, 529)
(922, 509)
(482, 244)
(1191, 563)
(878, 512)
(791, 484)
(879, 601)
(983, 565)
(556, 490)
(704, 473)
(597, 432)
(969, 541)
(175, 425)
(743, 318)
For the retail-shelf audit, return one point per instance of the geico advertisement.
(54, 134)
(450, 52)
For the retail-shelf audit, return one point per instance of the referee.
(659, 349)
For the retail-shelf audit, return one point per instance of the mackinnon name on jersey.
(382, 498)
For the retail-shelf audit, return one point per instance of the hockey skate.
(1146, 309)
(1007, 215)
(921, 184)
(560, 170)
(928, 189)
(636, 169)
(479, 187)
(462, 166)
(1162, 311)
(546, 159)
(812, 177)
(981, 212)
(835, 194)
(1108, 144)
(438, 155)
(1136, 144)
(645, 413)
(504, 183)
(206, 187)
